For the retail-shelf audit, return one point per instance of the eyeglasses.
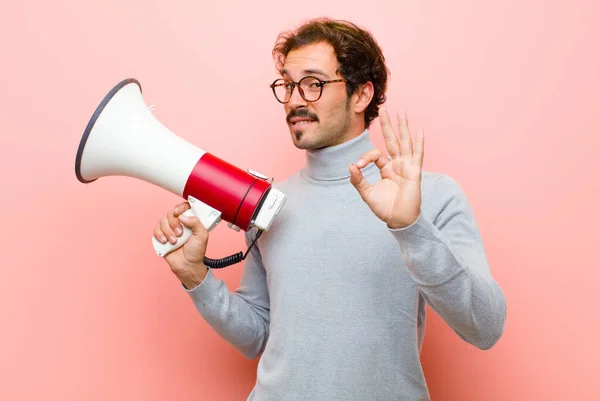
(310, 88)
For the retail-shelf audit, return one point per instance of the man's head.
(329, 50)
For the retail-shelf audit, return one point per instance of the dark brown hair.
(359, 55)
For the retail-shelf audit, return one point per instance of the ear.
(364, 94)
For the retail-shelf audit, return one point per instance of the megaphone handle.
(209, 217)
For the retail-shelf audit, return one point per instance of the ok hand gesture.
(396, 198)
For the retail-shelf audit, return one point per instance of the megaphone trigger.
(209, 217)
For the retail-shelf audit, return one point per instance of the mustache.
(301, 113)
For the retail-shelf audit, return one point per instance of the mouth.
(298, 122)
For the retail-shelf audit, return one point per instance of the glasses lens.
(311, 87)
(282, 90)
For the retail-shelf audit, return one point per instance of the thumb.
(359, 182)
(199, 232)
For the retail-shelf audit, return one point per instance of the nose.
(296, 101)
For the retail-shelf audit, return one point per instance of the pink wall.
(509, 96)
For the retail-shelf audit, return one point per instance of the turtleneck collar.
(329, 164)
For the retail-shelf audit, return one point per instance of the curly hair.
(359, 55)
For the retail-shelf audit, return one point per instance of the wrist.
(395, 225)
(192, 279)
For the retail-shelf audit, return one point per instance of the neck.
(329, 164)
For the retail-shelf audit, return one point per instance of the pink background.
(508, 94)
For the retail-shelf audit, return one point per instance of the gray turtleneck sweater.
(334, 300)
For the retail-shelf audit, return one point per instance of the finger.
(374, 156)
(167, 230)
(391, 141)
(359, 181)
(159, 235)
(419, 148)
(182, 207)
(174, 223)
(406, 148)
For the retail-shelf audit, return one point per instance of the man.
(334, 295)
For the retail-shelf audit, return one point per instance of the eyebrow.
(309, 71)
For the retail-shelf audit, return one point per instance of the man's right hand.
(186, 262)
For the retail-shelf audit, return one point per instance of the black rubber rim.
(91, 123)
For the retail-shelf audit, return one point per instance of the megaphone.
(124, 138)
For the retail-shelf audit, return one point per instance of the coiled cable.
(232, 259)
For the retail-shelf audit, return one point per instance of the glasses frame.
(297, 84)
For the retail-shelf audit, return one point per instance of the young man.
(334, 295)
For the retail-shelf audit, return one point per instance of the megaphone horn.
(124, 138)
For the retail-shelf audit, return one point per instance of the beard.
(324, 136)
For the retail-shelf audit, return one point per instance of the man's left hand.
(396, 198)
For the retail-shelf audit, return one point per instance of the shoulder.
(441, 192)
(439, 183)
(291, 183)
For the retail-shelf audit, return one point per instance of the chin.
(300, 143)
(304, 139)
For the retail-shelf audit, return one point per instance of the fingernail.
(184, 217)
(178, 231)
(173, 239)
(176, 210)
(163, 239)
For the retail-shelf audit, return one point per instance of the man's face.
(328, 121)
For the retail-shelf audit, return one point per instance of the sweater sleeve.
(240, 317)
(447, 260)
